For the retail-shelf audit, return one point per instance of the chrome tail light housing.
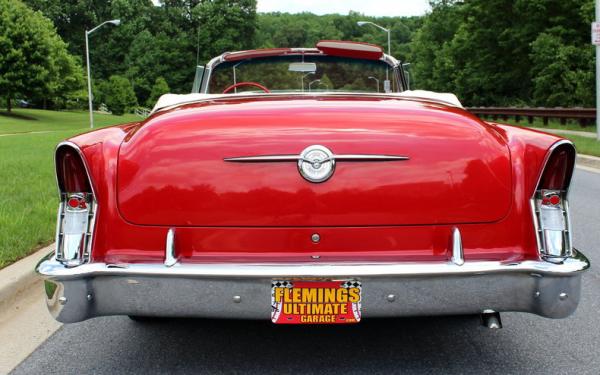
(550, 205)
(77, 207)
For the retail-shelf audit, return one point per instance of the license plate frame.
(316, 301)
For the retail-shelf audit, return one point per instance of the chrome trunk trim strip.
(295, 158)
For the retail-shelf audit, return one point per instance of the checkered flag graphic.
(276, 307)
(356, 307)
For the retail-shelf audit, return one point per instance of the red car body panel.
(175, 161)
(133, 219)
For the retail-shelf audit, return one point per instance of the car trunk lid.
(172, 171)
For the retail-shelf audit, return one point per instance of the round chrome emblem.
(316, 163)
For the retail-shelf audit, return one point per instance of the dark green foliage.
(306, 29)
(488, 52)
(160, 87)
(152, 41)
(118, 95)
(34, 62)
(506, 52)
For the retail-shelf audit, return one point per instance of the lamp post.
(311, 82)
(389, 38)
(377, 81)
(597, 77)
(304, 76)
(87, 60)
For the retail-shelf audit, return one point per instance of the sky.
(367, 7)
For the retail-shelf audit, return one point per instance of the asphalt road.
(449, 345)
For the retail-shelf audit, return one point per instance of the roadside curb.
(588, 161)
(18, 278)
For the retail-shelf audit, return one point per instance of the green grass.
(28, 196)
(32, 120)
(584, 145)
(588, 146)
(552, 124)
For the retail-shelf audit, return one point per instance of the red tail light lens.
(559, 168)
(550, 205)
(70, 171)
(76, 212)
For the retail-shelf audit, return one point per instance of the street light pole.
(302, 79)
(598, 77)
(389, 40)
(89, 80)
(87, 62)
(377, 81)
(311, 82)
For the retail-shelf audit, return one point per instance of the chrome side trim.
(458, 257)
(263, 158)
(170, 255)
(367, 157)
(547, 157)
(294, 158)
(85, 165)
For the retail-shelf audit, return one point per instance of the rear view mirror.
(303, 67)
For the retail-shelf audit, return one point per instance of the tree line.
(488, 52)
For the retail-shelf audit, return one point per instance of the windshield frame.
(397, 74)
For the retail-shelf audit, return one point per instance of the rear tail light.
(550, 204)
(77, 208)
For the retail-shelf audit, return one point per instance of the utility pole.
(597, 71)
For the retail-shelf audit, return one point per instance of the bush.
(160, 87)
(117, 93)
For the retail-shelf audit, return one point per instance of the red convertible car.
(309, 185)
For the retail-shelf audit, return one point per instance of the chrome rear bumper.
(208, 290)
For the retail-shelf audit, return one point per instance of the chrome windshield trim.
(51, 269)
(215, 61)
(295, 158)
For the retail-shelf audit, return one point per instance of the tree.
(34, 61)
(117, 93)
(151, 56)
(225, 25)
(506, 52)
(429, 48)
(160, 87)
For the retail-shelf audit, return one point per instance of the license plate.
(315, 302)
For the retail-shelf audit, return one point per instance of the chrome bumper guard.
(243, 291)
